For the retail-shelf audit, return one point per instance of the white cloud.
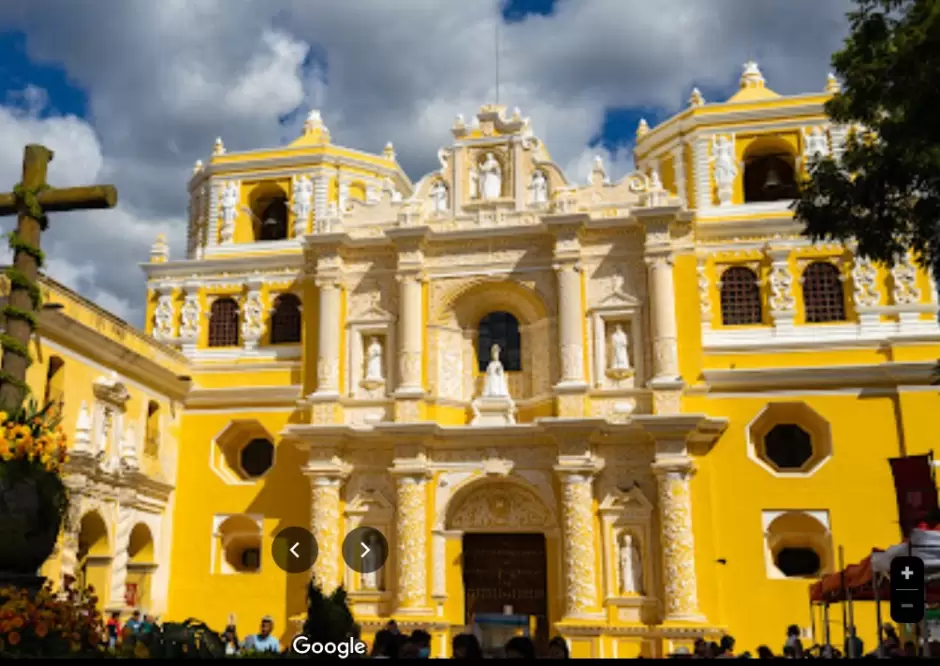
(165, 78)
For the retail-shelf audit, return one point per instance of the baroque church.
(635, 411)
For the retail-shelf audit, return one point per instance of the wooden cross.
(30, 203)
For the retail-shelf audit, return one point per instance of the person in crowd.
(793, 642)
(134, 623)
(114, 628)
(148, 624)
(520, 647)
(392, 626)
(910, 649)
(422, 639)
(726, 648)
(558, 648)
(230, 640)
(854, 647)
(466, 646)
(409, 649)
(385, 645)
(763, 652)
(700, 648)
(264, 640)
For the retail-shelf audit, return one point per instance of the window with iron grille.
(740, 297)
(223, 323)
(285, 321)
(823, 295)
(500, 328)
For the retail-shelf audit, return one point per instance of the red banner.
(130, 595)
(916, 490)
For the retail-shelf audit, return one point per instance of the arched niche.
(141, 564)
(770, 170)
(94, 555)
(453, 333)
(269, 206)
(797, 544)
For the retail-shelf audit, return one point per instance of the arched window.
(823, 296)
(223, 323)
(55, 383)
(769, 176)
(740, 297)
(152, 438)
(500, 328)
(273, 220)
(285, 320)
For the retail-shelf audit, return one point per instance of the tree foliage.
(885, 192)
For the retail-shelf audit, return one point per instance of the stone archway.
(456, 310)
(94, 555)
(141, 564)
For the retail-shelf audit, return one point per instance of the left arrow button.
(294, 549)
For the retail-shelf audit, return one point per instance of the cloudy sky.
(132, 92)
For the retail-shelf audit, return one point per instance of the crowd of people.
(138, 624)
(391, 643)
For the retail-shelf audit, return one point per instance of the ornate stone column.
(579, 545)
(680, 601)
(662, 297)
(570, 331)
(122, 539)
(253, 319)
(409, 330)
(326, 482)
(411, 536)
(329, 339)
(782, 300)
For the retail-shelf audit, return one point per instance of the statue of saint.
(491, 176)
(495, 386)
(439, 197)
(620, 344)
(374, 361)
(631, 566)
(538, 188)
(372, 578)
(815, 144)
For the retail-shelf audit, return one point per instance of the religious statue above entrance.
(495, 406)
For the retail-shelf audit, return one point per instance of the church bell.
(772, 181)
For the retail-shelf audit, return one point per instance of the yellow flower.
(3, 416)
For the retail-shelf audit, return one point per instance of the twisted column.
(122, 540)
(325, 525)
(579, 546)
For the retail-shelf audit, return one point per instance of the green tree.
(885, 193)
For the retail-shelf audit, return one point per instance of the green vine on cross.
(28, 200)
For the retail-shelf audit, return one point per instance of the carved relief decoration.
(500, 505)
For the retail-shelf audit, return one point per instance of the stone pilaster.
(409, 330)
(326, 482)
(701, 171)
(214, 211)
(411, 537)
(663, 318)
(680, 602)
(321, 198)
(678, 167)
(570, 331)
(782, 301)
(329, 339)
(577, 507)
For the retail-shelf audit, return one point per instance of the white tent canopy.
(924, 544)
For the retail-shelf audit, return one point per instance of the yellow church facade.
(638, 410)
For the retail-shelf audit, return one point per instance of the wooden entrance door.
(502, 570)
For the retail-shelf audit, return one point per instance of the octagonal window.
(789, 438)
(788, 446)
(256, 457)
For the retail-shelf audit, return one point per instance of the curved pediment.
(498, 505)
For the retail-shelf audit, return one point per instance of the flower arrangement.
(34, 438)
(33, 498)
(50, 623)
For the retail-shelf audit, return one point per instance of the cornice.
(244, 396)
(839, 376)
(77, 337)
(193, 268)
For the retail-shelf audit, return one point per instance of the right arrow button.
(365, 550)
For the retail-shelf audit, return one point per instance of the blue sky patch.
(17, 72)
(518, 10)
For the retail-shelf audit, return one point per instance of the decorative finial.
(642, 129)
(389, 151)
(459, 122)
(696, 98)
(516, 114)
(159, 251)
(832, 84)
(219, 147)
(598, 174)
(751, 76)
(197, 167)
(315, 125)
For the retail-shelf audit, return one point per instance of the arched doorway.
(505, 555)
(94, 556)
(140, 567)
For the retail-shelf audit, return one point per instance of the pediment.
(111, 390)
(630, 503)
(370, 501)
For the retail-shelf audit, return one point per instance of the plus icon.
(907, 589)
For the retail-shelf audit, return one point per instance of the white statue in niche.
(631, 566)
(439, 197)
(491, 176)
(620, 351)
(726, 169)
(815, 143)
(374, 375)
(372, 578)
(538, 188)
(495, 386)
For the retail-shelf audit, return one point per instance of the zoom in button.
(295, 549)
